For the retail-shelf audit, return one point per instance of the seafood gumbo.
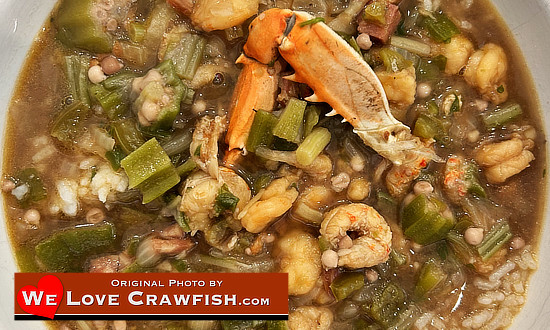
(388, 155)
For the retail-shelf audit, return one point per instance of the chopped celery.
(225, 200)
(312, 146)
(186, 51)
(137, 31)
(385, 203)
(423, 221)
(345, 284)
(157, 24)
(440, 27)
(289, 126)
(111, 102)
(427, 69)
(324, 244)
(66, 250)
(472, 182)
(76, 68)
(431, 274)
(494, 240)
(126, 135)
(376, 12)
(261, 131)
(393, 61)
(121, 80)
(186, 168)
(413, 46)
(312, 21)
(500, 116)
(68, 122)
(397, 257)
(311, 118)
(77, 26)
(35, 188)
(144, 162)
(136, 54)
(114, 157)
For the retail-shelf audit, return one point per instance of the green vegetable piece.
(78, 27)
(126, 135)
(385, 202)
(312, 146)
(500, 89)
(428, 69)
(159, 183)
(186, 51)
(76, 68)
(462, 250)
(186, 168)
(431, 274)
(312, 21)
(440, 27)
(262, 182)
(393, 61)
(494, 240)
(145, 162)
(345, 284)
(376, 12)
(36, 190)
(261, 131)
(324, 244)
(180, 265)
(112, 102)
(137, 31)
(225, 200)
(243, 325)
(66, 250)
(311, 118)
(386, 304)
(423, 220)
(183, 221)
(114, 157)
(68, 122)
(411, 45)
(276, 325)
(290, 122)
(397, 257)
(427, 127)
(501, 116)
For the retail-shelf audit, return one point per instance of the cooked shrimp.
(310, 318)
(300, 256)
(502, 160)
(399, 177)
(198, 198)
(400, 87)
(373, 244)
(204, 146)
(269, 204)
(308, 205)
(486, 70)
(237, 186)
(457, 52)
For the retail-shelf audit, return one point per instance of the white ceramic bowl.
(529, 21)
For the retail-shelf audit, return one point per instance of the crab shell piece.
(338, 76)
(256, 89)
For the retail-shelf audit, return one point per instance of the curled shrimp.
(373, 242)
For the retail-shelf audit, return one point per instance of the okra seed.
(95, 215)
(32, 216)
(329, 258)
(96, 74)
(517, 243)
(473, 235)
(110, 65)
(371, 275)
(423, 187)
(7, 185)
(423, 90)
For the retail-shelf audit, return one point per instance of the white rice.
(508, 266)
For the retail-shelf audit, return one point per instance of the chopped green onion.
(399, 258)
(431, 274)
(261, 131)
(183, 221)
(159, 183)
(312, 21)
(346, 284)
(121, 80)
(262, 182)
(440, 27)
(65, 250)
(225, 200)
(387, 302)
(462, 250)
(112, 103)
(494, 240)
(289, 126)
(411, 45)
(35, 188)
(178, 143)
(500, 116)
(427, 127)
(312, 146)
(114, 157)
(186, 53)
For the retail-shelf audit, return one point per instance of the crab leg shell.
(256, 89)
